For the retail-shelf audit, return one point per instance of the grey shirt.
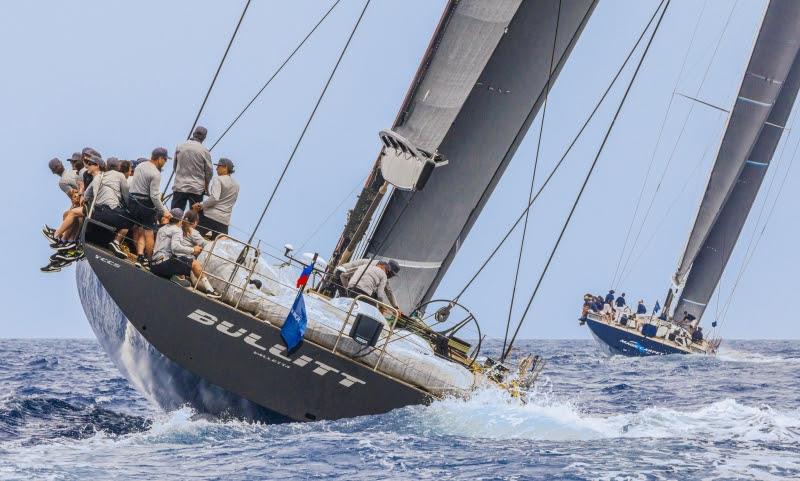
(222, 194)
(193, 167)
(147, 182)
(111, 189)
(193, 239)
(372, 280)
(68, 181)
(169, 243)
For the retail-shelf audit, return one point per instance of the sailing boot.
(208, 289)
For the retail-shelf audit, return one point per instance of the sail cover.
(773, 54)
(710, 262)
(473, 102)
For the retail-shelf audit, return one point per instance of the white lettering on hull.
(281, 357)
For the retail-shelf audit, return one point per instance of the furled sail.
(472, 103)
(713, 256)
(772, 56)
(756, 124)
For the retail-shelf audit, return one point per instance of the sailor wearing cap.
(193, 170)
(144, 203)
(372, 280)
(67, 178)
(215, 211)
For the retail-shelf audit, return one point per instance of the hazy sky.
(126, 77)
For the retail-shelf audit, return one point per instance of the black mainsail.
(472, 104)
(755, 126)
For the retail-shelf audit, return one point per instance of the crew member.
(610, 297)
(641, 308)
(174, 260)
(67, 178)
(697, 335)
(144, 203)
(193, 170)
(620, 302)
(109, 192)
(215, 211)
(372, 279)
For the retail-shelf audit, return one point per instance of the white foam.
(729, 354)
(492, 414)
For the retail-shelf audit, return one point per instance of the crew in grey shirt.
(372, 280)
(111, 189)
(218, 207)
(193, 170)
(146, 183)
(169, 243)
(68, 181)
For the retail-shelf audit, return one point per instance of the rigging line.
(586, 180)
(274, 74)
(211, 86)
(680, 136)
(533, 175)
(657, 145)
(625, 274)
(561, 160)
(332, 213)
(308, 122)
(748, 253)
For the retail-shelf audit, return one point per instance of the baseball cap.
(394, 266)
(160, 152)
(90, 151)
(54, 164)
(226, 163)
(200, 133)
(177, 213)
(75, 157)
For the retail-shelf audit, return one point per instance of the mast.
(482, 89)
(756, 123)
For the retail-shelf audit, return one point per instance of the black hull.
(243, 355)
(163, 382)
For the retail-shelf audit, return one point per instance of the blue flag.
(295, 325)
(656, 308)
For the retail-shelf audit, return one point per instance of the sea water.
(66, 413)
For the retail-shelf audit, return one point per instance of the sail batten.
(712, 241)
(478, 137)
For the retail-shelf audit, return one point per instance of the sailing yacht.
(480, 84)
(755, 126)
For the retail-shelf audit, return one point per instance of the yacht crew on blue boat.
(610, 297)
(620, 302)
(641, 308)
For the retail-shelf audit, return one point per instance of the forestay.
(478, 90)
(773, 54)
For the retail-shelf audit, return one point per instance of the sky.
(126, 77)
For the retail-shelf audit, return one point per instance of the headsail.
(772, 56)
(472, 104)
(762, 108)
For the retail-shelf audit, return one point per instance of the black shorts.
(116, 218)
(207, 225)
(179, 200)
(142, 211)
(174, 266)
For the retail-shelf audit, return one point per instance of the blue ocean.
(67, 414)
